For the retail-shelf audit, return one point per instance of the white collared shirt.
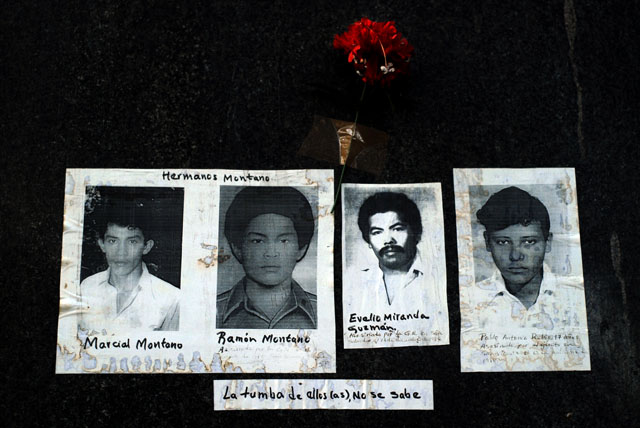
(153, 305)
(412, 294)
(490, 305)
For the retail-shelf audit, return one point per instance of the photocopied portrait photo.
(197, 271)
(131, 253)
(521, 288)
(394, 270)
(271, 281)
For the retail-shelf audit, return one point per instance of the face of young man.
(124, 247)
(270, 250)
(392, 240)
(518, 252)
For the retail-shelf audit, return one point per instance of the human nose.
(389, 239)
(271, 250)
(121, 249)
(515, 254)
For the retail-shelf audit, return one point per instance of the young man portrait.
(522, 305)
(269, 230)
(523, 291)
(126, 296)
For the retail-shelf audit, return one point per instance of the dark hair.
(251, 202)
(383, 202)
(513, 206)
(124, 209)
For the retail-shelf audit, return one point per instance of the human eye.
(375, 232)
(285, 240)
(400, 228)
(530, 241)
(111, 241)
(133, 241)
(502, 241)
(256, 241)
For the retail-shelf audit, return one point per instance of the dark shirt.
(235, 310)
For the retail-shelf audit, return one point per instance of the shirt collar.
(143, 282)
(417, 267)
(297, 299)
(547, 286)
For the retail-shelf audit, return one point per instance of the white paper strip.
(309, 394)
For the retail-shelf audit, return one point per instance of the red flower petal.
(377, 50)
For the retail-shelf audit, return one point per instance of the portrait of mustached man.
(391, 225)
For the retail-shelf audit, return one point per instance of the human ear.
(302, 251)
(101, 245)
(237, 251)
(486, 241)
(147, 247)
(547, 248)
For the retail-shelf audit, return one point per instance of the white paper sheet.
(196, 259)
(407, 304)
(499, 330)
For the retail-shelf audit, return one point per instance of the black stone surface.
(232, 84)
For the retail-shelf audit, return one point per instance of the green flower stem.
(355, 130)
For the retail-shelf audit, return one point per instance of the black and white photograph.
(131, 259)
(394, 276)
(197, 271)
(523, 308)
(270, 281)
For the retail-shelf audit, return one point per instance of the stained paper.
(393, 266)
(522, 303)
(197, 271)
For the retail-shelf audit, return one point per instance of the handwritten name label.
(225, 338)
(144, 343)
(205, 176)
(393, 328)
(305, 394)
(511, 348)
(374, 322)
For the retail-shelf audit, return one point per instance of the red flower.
(377, 50)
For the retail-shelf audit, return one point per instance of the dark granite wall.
(231, 84)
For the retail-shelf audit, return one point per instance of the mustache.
(389, 248)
